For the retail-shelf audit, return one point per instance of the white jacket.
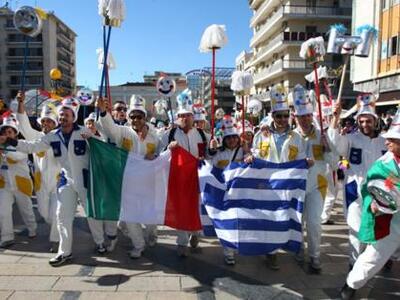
(74, 160)
(292, 149)
(46, 166)
(14, 173)
(224, 157)
(360, 150)
(191, 141)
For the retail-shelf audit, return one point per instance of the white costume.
(73, 158)
(361, 151)
(129, 140)
(377, 254)
(15, 185)
(45, 177)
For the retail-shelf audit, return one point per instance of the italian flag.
(124, 186)
(374, 227)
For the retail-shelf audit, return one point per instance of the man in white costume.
(362, 149)
(318, 150)
(193, 140)
(70, 150)
(383, 240)
(139, 139)
(15, 185)
(276, 142)
(46, 167)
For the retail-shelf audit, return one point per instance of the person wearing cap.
(139, 139)
(277, 142)
(247, 134)
(71, 152)
(46, 168)
(15, 185)
(108, 228)
(318, 150)
(383, 240)
(230, 151)
(199, 116)
(361, 148)
(193, 140)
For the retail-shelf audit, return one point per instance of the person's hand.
(3, 139)
(337, 109)
(213, 144)
(265, 131)
(310, 162)
(20, 97)
(86, 135)
(249, 159)
(325, 144)
(102, 104)
(374, 207)
(173, 145)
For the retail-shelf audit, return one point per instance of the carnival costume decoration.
(214, 38)
(166, 87)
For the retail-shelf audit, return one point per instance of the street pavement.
(160, 274)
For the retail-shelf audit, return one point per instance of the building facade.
(54, 47)
(380, 72)
(280, 27)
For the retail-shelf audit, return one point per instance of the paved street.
(160, 274)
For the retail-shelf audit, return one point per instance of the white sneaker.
(135, 253)
(229, 260)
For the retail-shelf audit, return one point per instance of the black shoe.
(194, 241)
(101, 249)
(272, 261)
(329, 222)
(7, 244)
(347, 292)
(53, 247)
(389, 264)
(60, 260)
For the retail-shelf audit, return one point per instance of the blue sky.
(156, 35)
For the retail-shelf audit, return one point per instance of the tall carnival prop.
(241, 84)
(313, 51)
(166, 87)
(29, 22)
(113, 14)
(359, 45)
(214, 38)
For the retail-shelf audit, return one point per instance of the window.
(393, 46)
(384, 49)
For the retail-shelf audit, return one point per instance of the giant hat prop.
(185, 102)
(49, 111)
(302, 101)
(9, 120)
(279, 100)
(138, 103)
(394, 130)
(229, 127)
(70, 103)
(366, 105)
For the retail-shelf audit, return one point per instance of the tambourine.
(28, 21)
(386, 198)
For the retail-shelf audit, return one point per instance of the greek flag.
(256, 208)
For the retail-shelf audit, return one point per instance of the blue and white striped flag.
(256, 208)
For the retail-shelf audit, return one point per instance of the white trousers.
(24, 204)
(374, 257)
(313, 205)
(353, 218)
(135, 232)
(52, 218)
(330, 199)
(67, 202)
(182, 238)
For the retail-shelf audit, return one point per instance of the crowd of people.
(339, 154)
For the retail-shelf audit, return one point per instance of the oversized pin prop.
(241, 84)
(28, 21)
(166, 87)
(113, 14)
(359, 45)
(85, 97)
(322, 74)
(213, 38)
(313, 51)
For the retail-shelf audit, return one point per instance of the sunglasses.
(120, 108)
(138, 117)
(281, 116)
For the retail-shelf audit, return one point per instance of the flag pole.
(213, 93)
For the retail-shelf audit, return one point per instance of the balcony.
(262, 12)
(254, 3)
(288, 12)
(282, 40)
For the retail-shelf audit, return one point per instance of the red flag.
(182, 207)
